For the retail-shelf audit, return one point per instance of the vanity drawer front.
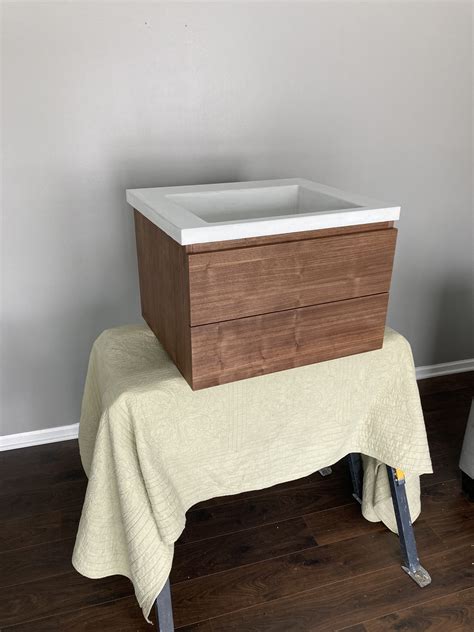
(237, 349)
(229, 284)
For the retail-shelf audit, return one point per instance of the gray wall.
(97, 97)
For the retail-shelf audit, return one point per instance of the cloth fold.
(152, 448)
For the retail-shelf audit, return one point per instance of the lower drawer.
(237, 349)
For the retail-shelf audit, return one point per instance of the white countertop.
(219, 212)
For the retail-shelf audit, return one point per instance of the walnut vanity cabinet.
(234, 309)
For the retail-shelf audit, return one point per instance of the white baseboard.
(38, 437)
(63, 433)
(446, 368)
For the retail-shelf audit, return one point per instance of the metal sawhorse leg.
(357, 475)
(164, 609)
(406, 535)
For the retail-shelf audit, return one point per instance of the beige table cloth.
(152, 447)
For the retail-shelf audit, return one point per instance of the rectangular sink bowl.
(217, 212)
(236, 205)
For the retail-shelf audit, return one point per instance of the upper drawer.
(240, 282)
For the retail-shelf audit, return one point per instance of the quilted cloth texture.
(152, 448)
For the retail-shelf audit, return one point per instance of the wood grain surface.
(164, 291)
(237, 349)
(454, 613)
(244, 282)
(295, 287)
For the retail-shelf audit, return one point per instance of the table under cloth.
(152, 448)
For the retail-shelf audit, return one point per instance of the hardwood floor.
(294, 558)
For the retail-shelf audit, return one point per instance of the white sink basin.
(219, 212)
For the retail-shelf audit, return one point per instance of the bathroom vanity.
(248, 278)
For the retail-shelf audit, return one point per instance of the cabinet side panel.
(164, 295)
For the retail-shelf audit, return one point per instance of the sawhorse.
(396, 478)
(411, 562)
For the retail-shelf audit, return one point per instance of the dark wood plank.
(203, 626)
(447, 383)
(446, 413)
(454, 613)
(39, 529)
(341, 523)
(164, 290)
(38, 486)
(446, 400)
(345, 603)
(445, 468)
(265, 509)
(36, 562)
(446, 429)
(122, 615)
(59, 594)
(238, 349)
(443, 498)
(221, 553)
(449, 513)
(41, 500)
(246, 242)
(455, 528)
(42, 466)
(243, 587)
(257, 280)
